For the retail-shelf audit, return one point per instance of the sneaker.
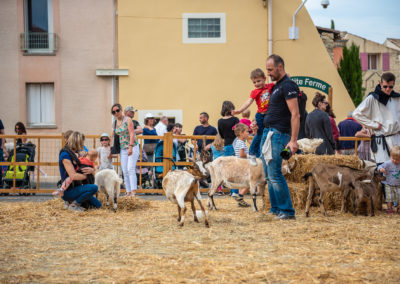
(253, 160)
(76, 207)
(235, 196)
(271, 213)
(283, 216)
(66, 204)
(242, 203)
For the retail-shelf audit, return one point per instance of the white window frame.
(370, 55)
(185, 28)
(49, 25)
(51, 108)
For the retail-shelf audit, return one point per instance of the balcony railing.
(39, 42)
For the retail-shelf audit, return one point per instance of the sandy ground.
(42, 242)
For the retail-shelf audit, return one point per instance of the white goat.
(309, 145)
(180, 187)
(234, 172)
(109, 183)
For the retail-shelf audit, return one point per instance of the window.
(204, 28)
(372, 61)
(40, 104)
(38, 36)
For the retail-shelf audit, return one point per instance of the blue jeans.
(81, 194)
(255, 147)
(278, 189)
(229, 151)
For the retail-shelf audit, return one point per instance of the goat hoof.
(207, 225)
(196, 220)
(179, 219)
(307, 214)
(180, 224)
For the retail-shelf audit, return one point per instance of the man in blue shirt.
(281, 123)
(204, 129)
(348, 127)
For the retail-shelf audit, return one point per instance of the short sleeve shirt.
(201, 130)
(262, 96)
(239, 145)
(63, 156)
(278, 115)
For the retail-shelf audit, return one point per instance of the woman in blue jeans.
(75, 196)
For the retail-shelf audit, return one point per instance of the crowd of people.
(276, 126)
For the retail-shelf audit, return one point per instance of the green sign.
(311, 82)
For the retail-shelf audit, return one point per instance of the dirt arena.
(42, 242)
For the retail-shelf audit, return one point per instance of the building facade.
(188, 56)
(50, 51)
(375, 60)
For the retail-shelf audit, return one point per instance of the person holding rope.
(380, 111)
(78, 194)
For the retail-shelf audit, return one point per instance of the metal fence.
(38, 42)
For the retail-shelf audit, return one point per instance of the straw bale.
(41, 242)
(305, 163)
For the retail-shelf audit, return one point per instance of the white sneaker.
(235, 195)
(76, 208)
(253, 160)
(66, 204)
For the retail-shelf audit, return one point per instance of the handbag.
(149, 148)
(116, 148)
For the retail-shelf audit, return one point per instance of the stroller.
(23, 153)
(145, 173)
(158, 157)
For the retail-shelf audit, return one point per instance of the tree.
(332, 24)
(351, 74)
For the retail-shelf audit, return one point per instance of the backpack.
(302, 100)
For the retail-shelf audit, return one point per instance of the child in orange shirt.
(261, 94)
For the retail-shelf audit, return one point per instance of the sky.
(375, 20)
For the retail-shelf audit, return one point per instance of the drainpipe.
(269, 27)
(292, 31)
(115, 65)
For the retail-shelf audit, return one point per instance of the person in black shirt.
(281, 123)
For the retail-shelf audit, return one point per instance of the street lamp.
(293, 30)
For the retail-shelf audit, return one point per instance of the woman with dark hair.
(225, 130)
(76, 194)
(149, 129)
(20, 130)
(318, 125)
(335, 129)
(129, 153)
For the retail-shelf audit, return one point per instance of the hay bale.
(305, 163)
(298, 187)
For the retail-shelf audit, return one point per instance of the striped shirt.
(238, 145)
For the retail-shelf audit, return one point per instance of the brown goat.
(331, 178)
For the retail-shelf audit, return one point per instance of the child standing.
(241, 151)
(217, 147)
(391, 170)
(245, 118)
(105, 156)
(261, 94)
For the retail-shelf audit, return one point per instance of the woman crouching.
(79, 192)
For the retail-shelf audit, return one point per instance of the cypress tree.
(332, 24)
(351, 74)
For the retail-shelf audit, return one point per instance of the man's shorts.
(392, 193)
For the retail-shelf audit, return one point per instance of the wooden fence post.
(167, 153)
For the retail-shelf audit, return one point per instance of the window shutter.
(385, 61)
(364, 61)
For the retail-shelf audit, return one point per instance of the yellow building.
(188, 56)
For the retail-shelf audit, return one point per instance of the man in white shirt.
(161, 126)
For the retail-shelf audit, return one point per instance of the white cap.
(149, 115)
(105, 135)
(129, 108)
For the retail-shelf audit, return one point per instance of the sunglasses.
(387, 87)
(104, 139)
(116, 111)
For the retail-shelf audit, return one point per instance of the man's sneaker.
(66, 204)
(283, 216)
(242, 203)
(76, 207)
(253, 160)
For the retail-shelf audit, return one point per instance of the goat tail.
(306, 176)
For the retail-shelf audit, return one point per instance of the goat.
(236, 172)
(366, 191)
(331, 178)
(180, 187)
(309, 145)
(109, 183)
